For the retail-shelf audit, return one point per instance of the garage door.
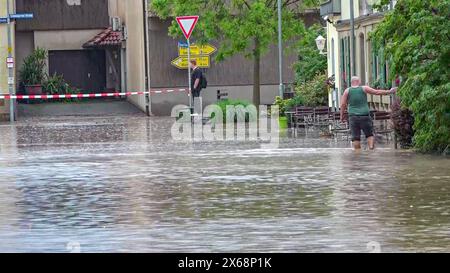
(83, 69)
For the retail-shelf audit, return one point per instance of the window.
(345, 73)
(335, 94)
(365, 7)
(374, 63)
(73, 2)
(392, 4)
(342, 65)
(379, 69)
(349, 60)
(333, 58)
(362, 58)
(389, 6)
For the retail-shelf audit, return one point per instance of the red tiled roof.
(107, 37)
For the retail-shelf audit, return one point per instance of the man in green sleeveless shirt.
(355, 98)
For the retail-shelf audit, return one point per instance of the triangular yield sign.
(187, 24)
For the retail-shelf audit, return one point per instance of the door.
(83, 69)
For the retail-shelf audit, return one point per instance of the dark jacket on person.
(196, 74)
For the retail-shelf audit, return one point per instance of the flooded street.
(122, 184)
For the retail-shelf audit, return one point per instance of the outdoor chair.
(290, 117)
(322, 116)
(381, 123)
(337, 127)
(303, 117)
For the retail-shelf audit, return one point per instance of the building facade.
(62, 27)
(369, 63)
(88, 43)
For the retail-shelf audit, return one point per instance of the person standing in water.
(196, 79)
(196, 85)
(355, 99)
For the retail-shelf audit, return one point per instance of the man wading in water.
(355, 98)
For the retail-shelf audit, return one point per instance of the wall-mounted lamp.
(327, 18)
(320, 42)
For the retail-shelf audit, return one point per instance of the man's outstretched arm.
(371, 91)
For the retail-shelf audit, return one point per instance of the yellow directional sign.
(182, 62)
(197, 50)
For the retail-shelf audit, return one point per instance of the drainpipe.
(148, 107)
(123, 75)
(352, 39)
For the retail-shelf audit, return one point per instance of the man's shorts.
(358, 123)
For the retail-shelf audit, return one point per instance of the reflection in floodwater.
(122, 184)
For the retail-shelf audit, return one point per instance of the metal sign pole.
(187, 25)
(10, 69)
(189, 75)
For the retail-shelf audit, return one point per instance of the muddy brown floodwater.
(121, 184)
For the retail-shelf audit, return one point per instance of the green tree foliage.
(314, 92)
(246, 27)
(417, 45)
(311, 62)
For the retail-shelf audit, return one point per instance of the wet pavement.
(121, 184)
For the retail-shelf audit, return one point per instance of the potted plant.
(56, 85)
(403, 121)
(33, 72)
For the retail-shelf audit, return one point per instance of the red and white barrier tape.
(93, 95)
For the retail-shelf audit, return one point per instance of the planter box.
(33, 90)
(283, 123)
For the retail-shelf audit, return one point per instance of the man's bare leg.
(371, 142)
(357, 145)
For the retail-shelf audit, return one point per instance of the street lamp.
(280, 48)
(320, 42)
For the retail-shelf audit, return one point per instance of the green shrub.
(297, 100)
(314, 92)
(282, 105)
(223, 104)
(56, 85)
(288, 104)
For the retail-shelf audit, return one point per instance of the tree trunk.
(256, 74)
